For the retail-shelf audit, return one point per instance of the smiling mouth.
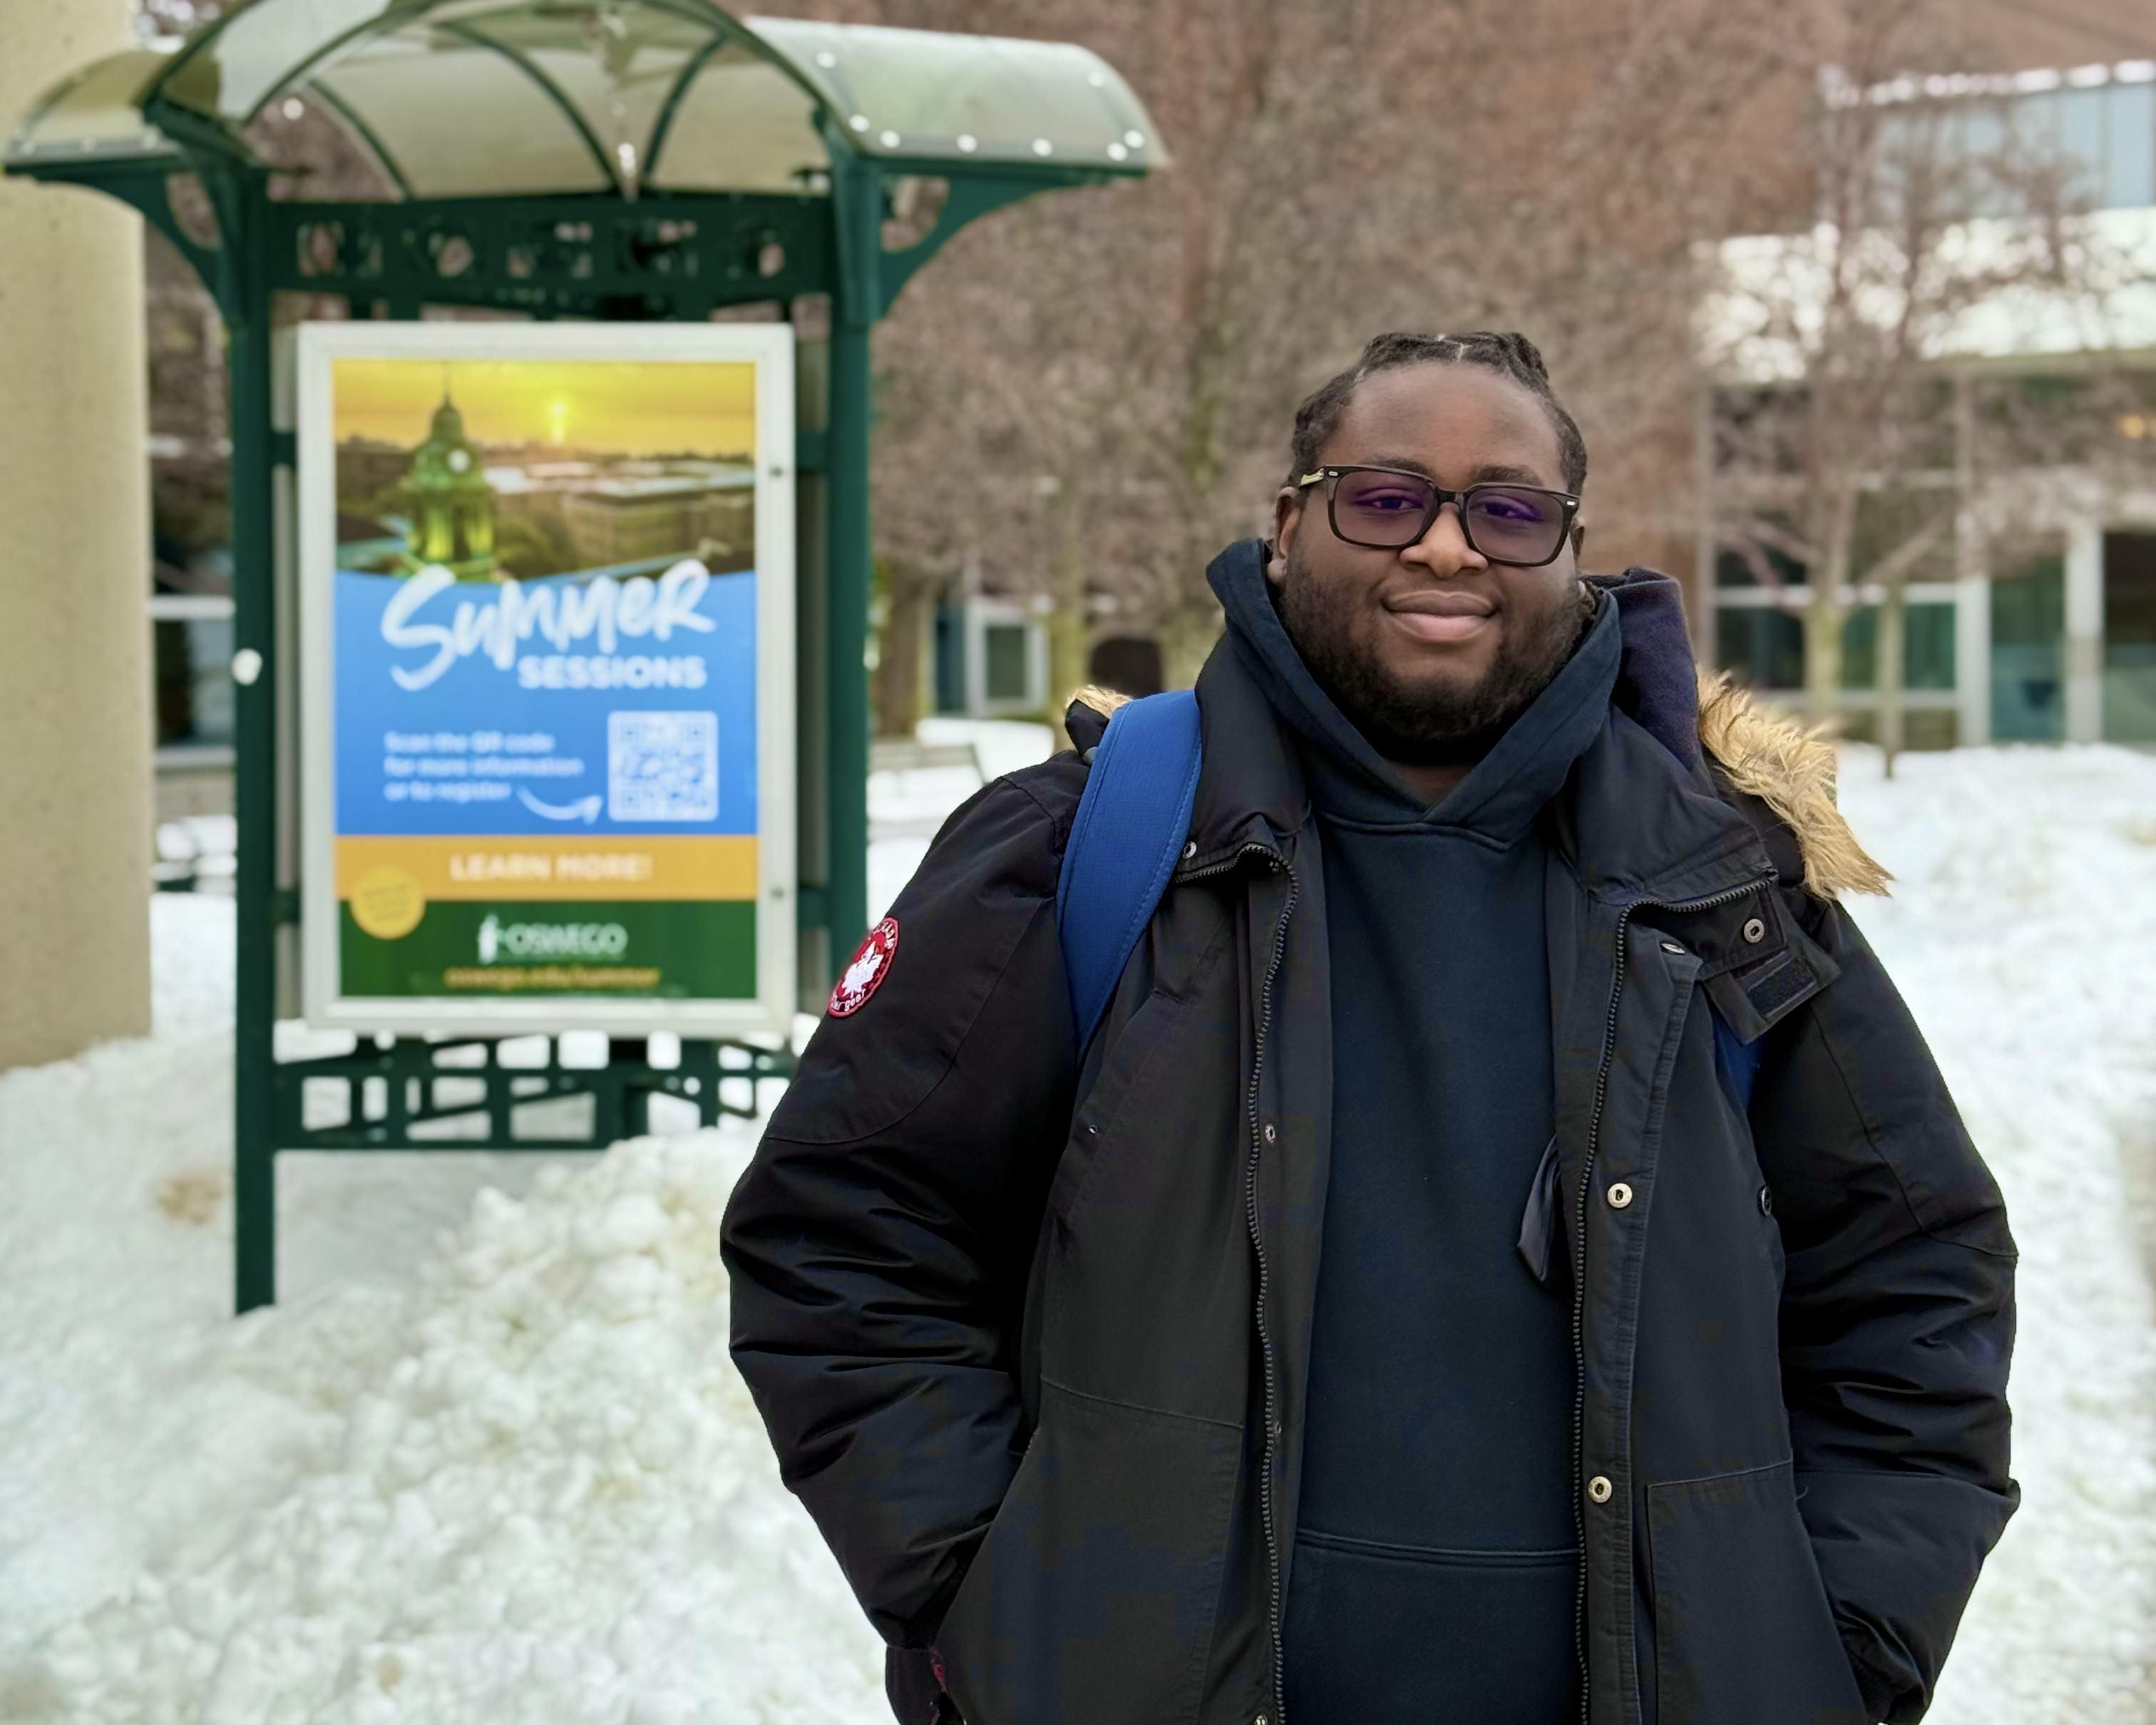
(1440, 618)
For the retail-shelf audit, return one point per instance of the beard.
(1437, 723)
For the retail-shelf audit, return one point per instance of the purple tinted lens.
(1381, 508)
(1514, 525)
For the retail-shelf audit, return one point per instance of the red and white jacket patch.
(864, 975)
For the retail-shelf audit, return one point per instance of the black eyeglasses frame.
(1567, 502)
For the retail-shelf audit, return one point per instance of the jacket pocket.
(1092, 1597)
(1383, 1632)
(1742, 1629)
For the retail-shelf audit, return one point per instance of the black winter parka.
(1032, 1342)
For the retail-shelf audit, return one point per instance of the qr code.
(662, 766)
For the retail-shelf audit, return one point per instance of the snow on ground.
(521, 1483)
(2021, 932)
(487, 1459)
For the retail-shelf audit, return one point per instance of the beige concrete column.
(75, 637)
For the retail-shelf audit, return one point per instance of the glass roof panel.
(239, 62)
(90, 113)
(457, 119)
(608, 71)
(469, 97)
(980, 98)
(742, 125)
(616, 67)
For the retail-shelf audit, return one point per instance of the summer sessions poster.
(543, 727)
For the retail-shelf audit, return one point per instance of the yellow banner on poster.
(675, 870)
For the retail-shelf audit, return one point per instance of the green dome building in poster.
(451, 502)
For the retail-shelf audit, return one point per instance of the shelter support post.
(247, 309)
(856, 198)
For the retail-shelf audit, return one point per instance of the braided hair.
(1506, 353)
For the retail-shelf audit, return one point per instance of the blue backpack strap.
(1125, 842)
(1736, 1062)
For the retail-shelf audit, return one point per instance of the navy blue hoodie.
(1435, 1569)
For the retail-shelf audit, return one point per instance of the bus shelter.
(609, 162)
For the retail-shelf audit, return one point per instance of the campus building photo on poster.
(546, 607)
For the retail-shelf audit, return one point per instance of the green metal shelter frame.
(650, 159)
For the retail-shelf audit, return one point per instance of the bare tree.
(1855, 455)
(1131, 359)
(1133, 356)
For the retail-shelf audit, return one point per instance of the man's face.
(1430, 649)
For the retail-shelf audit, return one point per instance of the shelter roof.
(478, 98)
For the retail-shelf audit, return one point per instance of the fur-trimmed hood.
(1785, 766)
(1790, 769)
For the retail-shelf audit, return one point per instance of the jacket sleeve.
(877, 1245)
(1898, 1320)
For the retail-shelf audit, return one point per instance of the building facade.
(2036, 619)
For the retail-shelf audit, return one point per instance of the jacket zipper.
(1579, 1251)
(1280, 864)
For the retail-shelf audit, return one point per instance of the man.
(1506, 1256)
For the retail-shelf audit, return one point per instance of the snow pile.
(135, 1427)
(117, 1168)
(2020, 931)
(531, 1488)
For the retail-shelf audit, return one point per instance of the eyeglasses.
(1386, 508)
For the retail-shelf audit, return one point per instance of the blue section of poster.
(570, 705)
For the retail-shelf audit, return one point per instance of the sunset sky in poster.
(626, 406)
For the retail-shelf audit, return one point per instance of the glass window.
(1731, 570)
(1927, 647)
(2082, 138)
(2129, 159)
(950, 658)
(2035, 122)
(1888, 521)
(1004, 647)
(2106, 135)
(1860, 648)
(2028, 653)
(1900, 139)
(1764, 647)
(1981, 141)
(1734, 568)
(193, 673)
(2130, 636)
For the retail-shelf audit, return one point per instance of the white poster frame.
(770, 347)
